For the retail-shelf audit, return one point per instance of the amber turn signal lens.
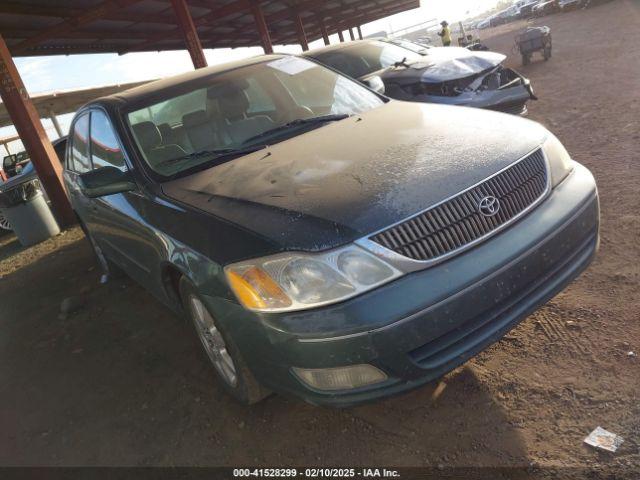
(256, 290)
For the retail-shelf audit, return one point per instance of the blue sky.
(46, 74)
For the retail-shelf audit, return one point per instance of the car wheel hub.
(4, 223)
(213, 342)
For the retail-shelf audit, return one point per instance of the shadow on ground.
(123, 381)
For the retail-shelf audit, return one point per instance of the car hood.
(442, 64)
(350, 178)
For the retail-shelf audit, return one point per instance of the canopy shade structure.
(67, 101)
(50, 27)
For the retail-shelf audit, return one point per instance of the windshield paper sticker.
(291, 65)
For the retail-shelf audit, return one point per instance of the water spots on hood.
(362, 176)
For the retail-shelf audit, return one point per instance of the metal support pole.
(261, 24)
(302, 36)
(325, 34)
(360, 32)
(463, 34)
(6, 147)
(56, 124)
(34, 138)
(191, 38)
(351, 34)
(340, 36)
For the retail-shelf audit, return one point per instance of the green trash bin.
(23, 206)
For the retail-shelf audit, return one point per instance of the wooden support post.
(261, 25)
(360, 33)
(302, 36)
(325, 34)
(188, 28)
(340, 36)
(351, 34)
(34, 138)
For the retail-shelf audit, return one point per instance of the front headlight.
(559, 159)
(298, 281)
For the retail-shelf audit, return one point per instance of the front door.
(118, 222)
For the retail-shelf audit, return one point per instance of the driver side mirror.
(376, 84)
(106, 181)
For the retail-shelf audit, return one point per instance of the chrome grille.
(457, 222)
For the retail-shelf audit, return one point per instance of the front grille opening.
(458, 222)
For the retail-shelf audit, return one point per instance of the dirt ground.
(123, 382)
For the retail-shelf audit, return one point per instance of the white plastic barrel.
(32, 221)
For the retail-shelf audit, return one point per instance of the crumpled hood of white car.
(442, 64)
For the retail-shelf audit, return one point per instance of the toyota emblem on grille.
(489, 206)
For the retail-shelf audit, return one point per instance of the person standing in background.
(445, 33)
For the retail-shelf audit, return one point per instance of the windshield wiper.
(403, 63)
(298, 123)
(217, 154)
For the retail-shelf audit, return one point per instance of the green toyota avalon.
(325, 241)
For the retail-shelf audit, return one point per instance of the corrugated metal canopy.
(66, 101)
(51, 27)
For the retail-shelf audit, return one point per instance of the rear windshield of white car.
(241, 105)
(365, 58)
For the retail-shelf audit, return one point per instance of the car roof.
(140, 94)
(339, 46)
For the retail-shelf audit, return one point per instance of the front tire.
(220, 349)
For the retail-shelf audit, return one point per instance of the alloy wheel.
(213, 341)
(4, 223)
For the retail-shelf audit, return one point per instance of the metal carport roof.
(48, 27)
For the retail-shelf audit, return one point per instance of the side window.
(105, 149)
(79, 159)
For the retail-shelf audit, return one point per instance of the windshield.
(244, 110)
(365, 58)
(414, 47)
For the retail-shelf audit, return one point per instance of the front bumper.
(512, 99)
(427, 323)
